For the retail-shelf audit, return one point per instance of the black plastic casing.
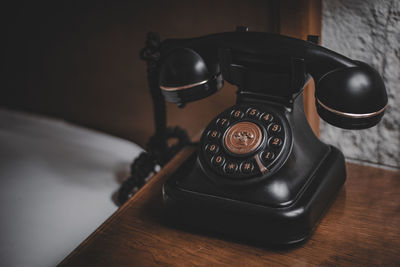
(349, 94)
(281, 209)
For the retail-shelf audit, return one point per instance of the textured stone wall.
(367, 30)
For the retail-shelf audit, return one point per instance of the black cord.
(157, 150)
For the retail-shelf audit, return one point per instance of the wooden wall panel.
(79, 60)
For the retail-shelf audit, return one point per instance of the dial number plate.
(243, 137)
(245, 142)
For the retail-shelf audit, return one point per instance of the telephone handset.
(259, 172)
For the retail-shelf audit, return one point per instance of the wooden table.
(362, 227)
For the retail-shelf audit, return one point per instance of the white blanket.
(56, 186)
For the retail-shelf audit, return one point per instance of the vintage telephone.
(260, 173)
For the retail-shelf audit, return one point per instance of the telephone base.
(247, 221)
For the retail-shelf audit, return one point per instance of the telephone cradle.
(259, 172)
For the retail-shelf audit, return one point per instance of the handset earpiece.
(349, 94)
(351, 97)
(185, 77)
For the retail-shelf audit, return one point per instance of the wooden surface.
(362, 227)
(299, 19)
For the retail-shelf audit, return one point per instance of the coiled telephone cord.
(157, 150)
(146, 162)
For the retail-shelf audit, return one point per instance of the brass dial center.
(243, 137)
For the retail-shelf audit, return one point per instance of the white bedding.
(56, 186)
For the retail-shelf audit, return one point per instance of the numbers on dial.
(223, 123)
(213, 134)
(274, 128)
(218, 160)
(212, 148)
(275, 142)
(253, 113)
(267, 156)
(267, 117)
(257, 162)
(237, 114)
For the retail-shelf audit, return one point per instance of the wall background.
(79, 60)
(369, 31)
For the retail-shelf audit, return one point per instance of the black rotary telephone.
(260, 173)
